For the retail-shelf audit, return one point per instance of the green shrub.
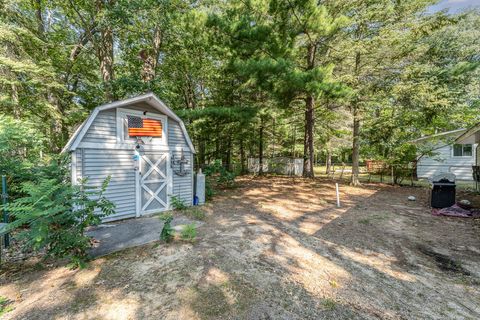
(167, 231)
(21, 144)
(209, 192)
(223, 176)
(177, 203)
(189, 232)
(217, 175)
(56, 214)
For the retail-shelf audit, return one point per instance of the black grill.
(443, 193)
(476, 173)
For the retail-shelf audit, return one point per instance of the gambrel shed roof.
(149, 98)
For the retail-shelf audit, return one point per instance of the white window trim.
(122, 116)
(462, 156)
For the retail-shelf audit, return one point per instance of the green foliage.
(20, 148)
(189, 232)
(5, 305)
(177, 203)
(167, 231)
(220, 173)
(56, 214)
(234, 68)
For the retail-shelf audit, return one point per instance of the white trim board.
(129, 146)
(149, 98)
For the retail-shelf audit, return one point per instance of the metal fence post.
(5, 212)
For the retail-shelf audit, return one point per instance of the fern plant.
(56, 214)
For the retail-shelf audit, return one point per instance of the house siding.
(98, 163)
(444, 161)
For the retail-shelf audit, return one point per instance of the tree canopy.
(257, 78)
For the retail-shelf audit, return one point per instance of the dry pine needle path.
(277, 248)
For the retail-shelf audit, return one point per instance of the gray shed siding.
(103, 128)
(98, 163)
(182, 186)
(444, 161)
(119, 165)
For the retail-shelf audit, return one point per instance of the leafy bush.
(21, 145)
(177, 203)
(189, 232)
(167, 231)
(217, 175)
(223, 176)
(56, 214)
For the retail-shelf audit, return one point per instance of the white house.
(145, 148)
(447, 155)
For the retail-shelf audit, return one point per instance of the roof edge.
(446, 133)
(469, 132)
(150, 98)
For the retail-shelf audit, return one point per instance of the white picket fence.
(278, 165)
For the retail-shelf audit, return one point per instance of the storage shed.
(143, 146)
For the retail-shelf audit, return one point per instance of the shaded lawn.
(277, 248)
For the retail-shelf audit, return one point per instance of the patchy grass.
(5, 306)
(271, 249)
(329, 304)
(189, 232)
(194, 213)
(373, 218)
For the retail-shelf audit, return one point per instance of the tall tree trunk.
(16, 110)
(150, 56)
(356, 145)
(38, 14)
(356, 131)
(104, 49)
(308, 151)
(228, 155)
(242, 156)
(260, 148)
(328, 164)
(105, 56)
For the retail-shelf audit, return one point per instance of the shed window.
(462, 150)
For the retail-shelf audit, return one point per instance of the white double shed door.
(153, 182)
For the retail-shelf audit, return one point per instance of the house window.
(462, 150)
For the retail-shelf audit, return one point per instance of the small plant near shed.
(167, 231)
(177, 203)
(189, 232)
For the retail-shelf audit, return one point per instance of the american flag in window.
(144, 127)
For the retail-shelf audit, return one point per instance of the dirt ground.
(277, 248)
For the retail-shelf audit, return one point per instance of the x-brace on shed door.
(154, 182)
